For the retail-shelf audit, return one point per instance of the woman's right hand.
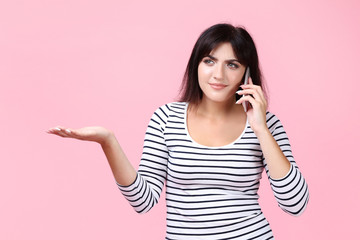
(123, 171)
(94, 134)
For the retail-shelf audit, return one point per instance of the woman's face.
(220, 74)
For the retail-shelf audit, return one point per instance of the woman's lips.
(217, 86)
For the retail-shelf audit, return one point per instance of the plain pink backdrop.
(112, 63)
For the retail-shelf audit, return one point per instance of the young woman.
(208, 150)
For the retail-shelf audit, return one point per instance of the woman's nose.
(218, 72)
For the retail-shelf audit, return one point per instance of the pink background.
(112, 63)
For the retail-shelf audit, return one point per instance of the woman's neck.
(216, 110)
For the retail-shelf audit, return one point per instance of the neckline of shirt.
(210, 147)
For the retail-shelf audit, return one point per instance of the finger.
(252, 92)
(260, 92)
(247, 86)
(263, 99)
(246, 98)
(256, 105)
(246, 91)
(72, 133)
(54, 129)
(60, 131)
(257, 88)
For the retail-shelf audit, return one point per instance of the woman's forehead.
(223, 50)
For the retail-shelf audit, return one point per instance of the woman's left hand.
(257, 112)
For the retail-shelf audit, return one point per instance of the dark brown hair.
(244, 49)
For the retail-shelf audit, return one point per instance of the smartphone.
(246, 81)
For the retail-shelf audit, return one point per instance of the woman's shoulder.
(270, 116)
(172, 107)
(167, 110)
(272, 121)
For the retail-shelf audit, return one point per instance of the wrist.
(108, 139)
(261, 131)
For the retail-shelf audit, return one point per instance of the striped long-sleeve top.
(211, 192)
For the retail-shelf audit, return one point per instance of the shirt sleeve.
(145, 191)
(291, 191)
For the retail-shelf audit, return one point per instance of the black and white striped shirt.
(211, 192)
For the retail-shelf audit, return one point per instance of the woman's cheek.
(204, 72)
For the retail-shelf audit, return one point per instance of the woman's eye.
(208, 61)
(233, 65)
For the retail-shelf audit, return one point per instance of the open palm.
(95, 134)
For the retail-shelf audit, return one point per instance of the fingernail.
(68, 131)
(237, 102)
(58, 129)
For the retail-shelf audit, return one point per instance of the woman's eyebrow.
(228, 60)
(233, 60)
(212, 57)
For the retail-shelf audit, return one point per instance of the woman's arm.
(122, 169)
(142, 189)
(145, 191)
(278, 164)
(290, 191)
(289, 186)
(124, 173)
